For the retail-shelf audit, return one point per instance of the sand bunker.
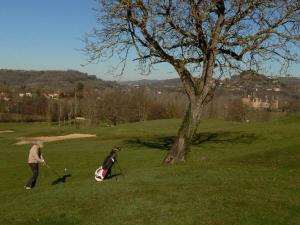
(6, 131)
(30, 140)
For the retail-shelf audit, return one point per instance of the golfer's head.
(39, 144)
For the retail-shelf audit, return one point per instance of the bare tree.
(199, 39)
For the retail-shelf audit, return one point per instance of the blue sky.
(46, 35)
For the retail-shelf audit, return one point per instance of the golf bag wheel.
(98, 179)
(100, 174)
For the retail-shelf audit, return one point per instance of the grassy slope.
(235, 174)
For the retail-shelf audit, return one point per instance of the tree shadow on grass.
(165, 143)
(224, 137)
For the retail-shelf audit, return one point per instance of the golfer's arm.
(42, 158)
(36, 156)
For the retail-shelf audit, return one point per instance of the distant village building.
(4, 96)
(258, 103)
(276, 89)
(52, 95)
(80, 118)
(27, 94)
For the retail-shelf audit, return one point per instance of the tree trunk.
(199, 93)
(185, 134)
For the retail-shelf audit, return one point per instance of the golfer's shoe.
(26, 187)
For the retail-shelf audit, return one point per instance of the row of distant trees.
(112, 105)
(130, 105)
(117, 105)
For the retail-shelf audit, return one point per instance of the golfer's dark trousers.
(35, 172)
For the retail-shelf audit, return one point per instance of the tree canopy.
(199, 39)
(243, 34)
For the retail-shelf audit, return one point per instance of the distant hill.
(290, 80)
(245, 81)
(50, 78)
(250, 77)
(168, 83)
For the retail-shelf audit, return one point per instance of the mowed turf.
(236, 173)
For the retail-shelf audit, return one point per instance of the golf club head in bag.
(116, 149)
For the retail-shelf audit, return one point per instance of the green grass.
(236, 173)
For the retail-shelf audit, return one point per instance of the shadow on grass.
(165, 143)
(116, 176)
(61, 179)
(224, 137)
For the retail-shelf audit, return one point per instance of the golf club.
(53, 171)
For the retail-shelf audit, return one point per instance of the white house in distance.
(27, 94)
(52, 95)
(4, 96)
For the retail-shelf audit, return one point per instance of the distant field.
(236, 174)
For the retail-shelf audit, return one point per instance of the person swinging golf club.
(104, 171)
(34, 158)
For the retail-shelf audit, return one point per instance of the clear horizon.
(47, 35)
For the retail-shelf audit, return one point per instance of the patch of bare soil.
(6, 131)
(31, 140)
